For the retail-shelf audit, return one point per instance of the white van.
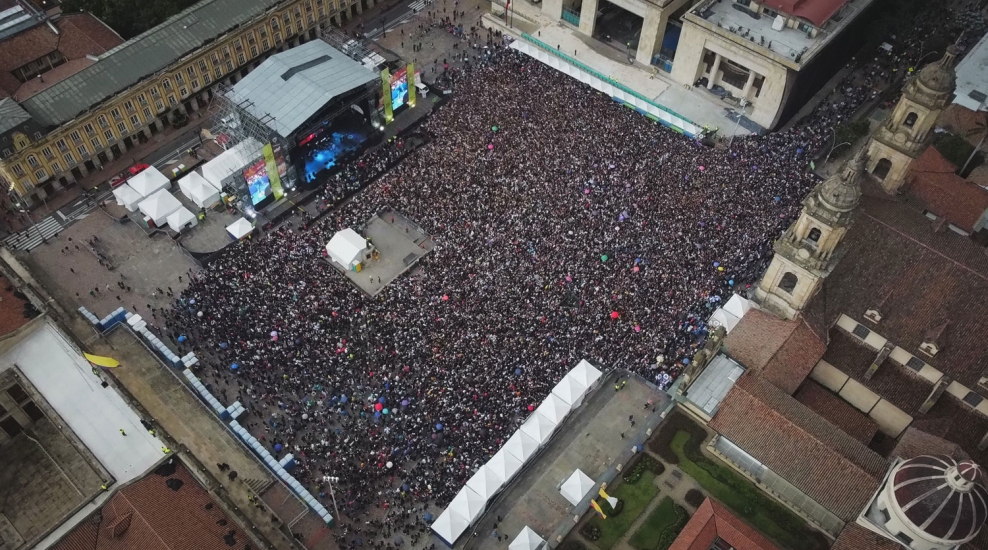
(421, 89)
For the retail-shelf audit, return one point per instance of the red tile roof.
(856, 537)
(784, 352)
(837, 411)
(11, 308)
(712, 521)
(933, 182)
(817, 12)
(915, 442)
(149, 515)
(829, 466)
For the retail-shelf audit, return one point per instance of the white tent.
(158, 206)
(485, 482)
(239, 229)
(468, 504)
(346, 248)
(450, 526)
(181, 218)
(585, 373)
(526, 540)
(521, 446)
(737, 306)
(570, 390)
(538, 427)
(554, 409)
(188, 182)
(127, 197)
(505, 464)
(576, 487)
(204, 195)
(231, 161)
(721, 318)
(149, 182)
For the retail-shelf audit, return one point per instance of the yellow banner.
(603, 494)
(411, 84)
(386, 83)
(101, 361)
(272, 167)
(597, 507)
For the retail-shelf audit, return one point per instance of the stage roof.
(294, 85)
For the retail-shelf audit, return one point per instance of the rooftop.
(713, 383)
(11, 115)
(15, 312)
(711, 522)
(141, 56)
(293, 85)
(837, 411)
(972, 78)
(944, 193)
(16, 16)
(784, 352)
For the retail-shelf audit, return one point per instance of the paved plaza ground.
(400, 242)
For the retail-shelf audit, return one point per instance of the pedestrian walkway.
(34, 235)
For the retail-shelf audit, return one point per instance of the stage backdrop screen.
(256, 175)
(399, 88)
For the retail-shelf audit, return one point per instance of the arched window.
(882, 168)
(910, 120)
(814, 235)
(789, 282)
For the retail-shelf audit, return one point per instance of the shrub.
(572, 545)
(957, 150)
(639, 465)
(612, 512)
(695, 498)
(847, 133)
(675, 423)
(590, 531)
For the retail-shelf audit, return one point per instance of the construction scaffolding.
(357, 49)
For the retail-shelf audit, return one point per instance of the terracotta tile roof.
(150, 515)
(783, 351)
(914, 442)
(825, 463)
(11, 308)
(817, 12)
(962, 121)
(80, 35)
(927, 277)
(856, 537)
(837, 411)
(712, 521)
(51, 78)
(932, 181)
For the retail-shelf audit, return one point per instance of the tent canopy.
(346, 247)
(737, 306)
(186, 183)
(231, 161)
(526, 540)
(570, 390)
(521, 445)
(159, 205)
(554, 409)
(485, 482)
(203, 194)
(450, 526)
(585, 373)
(505, 464)
(721, 318)
(576, 487)
(468, 504)
(127, 197)
(239, 228)
(179, 218)
(538, 427)
(148, 182)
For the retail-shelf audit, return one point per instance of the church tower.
(804, 253)
(906, 133)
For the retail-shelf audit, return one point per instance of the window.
(108, 134)
(47, 152)
(18, 169)
(17, 393)
(55, 168)
(75, 136)
(229, 66)
(191, 70)
(147, 113)
(129, 105)
(277, 39)
(103, 121)
(238, 46)
(32, 161)
(973, 399)
(32, 411)
(253, 51)
(69, 159)
(154, 92)
(62, 146)
(159, 105)
(96, 143)
(770, 12)
(882, 169)
(90, 130)
(122, 127)
(206, 79)
(172, 101)
(215, 58)
(299, 27)
(814, 235)
(82, 149)
(788, 282)
(37, 136)
(7, 153)
(274, 24)
(310, 18)
(166, 84)
(179, 79)
(906, 539)
(115, 113)
(142, 99)
(241, 59)
(861, 331)
(195, 82)
(265, 44)
(804, 28)
(11, 426)
(40, 175)
(183, 92)
(202, 65)
(217, 73)
(910, 120)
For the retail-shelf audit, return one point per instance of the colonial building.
(73, 127)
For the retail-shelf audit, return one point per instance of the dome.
(842, 191)
(939, 77)
(942, 498)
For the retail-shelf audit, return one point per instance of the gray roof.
(11, 115)
(141, 56)
(294, 85)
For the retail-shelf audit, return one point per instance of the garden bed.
(634, 499)
(661, 527)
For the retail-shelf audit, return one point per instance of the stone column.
(194, 103)
(336, 19)
(360, 7)
(747, 85)
(653, 31)
(123, 146)
(713, 72)
(82, 169)
(147, 133)
(109, 155)
(553, 9)
(588, 17)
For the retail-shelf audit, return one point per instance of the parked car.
(122, 177)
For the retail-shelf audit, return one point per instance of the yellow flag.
(602, 494)
(101, 361)
(597, 507)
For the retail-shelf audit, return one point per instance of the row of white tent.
(730, 314)
(533, 434)
(148, 192)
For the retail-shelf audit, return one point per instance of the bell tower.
(804, 253)
(906, 133)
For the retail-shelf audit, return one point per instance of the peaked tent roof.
(538, 427)
(585, 373)
(239, 228)
(450, 526)
(570, 390)
(521, 445)
(346, 245)
(468, 504)
(159, 205)
(203, 194)
(576, 487)
(526, 540)
(187, 182)
(177, 219)
(505, 464)
(148, 182)
(127, 197)
(554, 409)
(485, 482)
(737, 306)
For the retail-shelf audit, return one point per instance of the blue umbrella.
(404, 403)
(235, 366)
(380, 400)
(182, 338)
(343, 399)
(224, 345)
(439, 427)
(517, 372)
(427, 516)
(278, 447)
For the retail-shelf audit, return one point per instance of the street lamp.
(832, 150)
(330, 480)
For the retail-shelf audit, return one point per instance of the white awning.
(203, 194)
(526, 540)
(346, 247)
(554, 409)
(521, 446)
(721, 318)
(127, 197)
(468, 504)
(148, 182)
(737, 306)
(485, 482)
(450, 526)
(505, 464)
(576, 487)
(239, 228)
(585, 373)
(158, 206)
(570, 390)
(538, 427)
(178, 219)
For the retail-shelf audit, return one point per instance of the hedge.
(676, 422)
(694, 498)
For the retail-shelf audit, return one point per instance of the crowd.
(566, 228)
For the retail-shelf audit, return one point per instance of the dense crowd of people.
(566, 228)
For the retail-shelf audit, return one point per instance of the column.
(553, 9)
(360, 7)
(713, 72)
(194, 103)
(82, 169)
(122, 145)
(370, 4)
(109, 155)
(653, 31)
(588, 17)
(745, 93)
(147, 133)
(336, 19)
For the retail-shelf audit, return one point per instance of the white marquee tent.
(521, 445)
(485, 482)
(159, 206)
(526, 540)
(505, 464)
(346, 248)
(468, 504)
(179, 219)
(239, 229)
(204, 195)
(127, 197)
(449, 526)
(188, 182)
(538, 427)
(737, 306)
(570, 390)
(576, 487)
(231, 161)
(730, 314)
(554, 409)
(585, 373)
(149, 182)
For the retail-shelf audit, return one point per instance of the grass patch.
(661, 527)
(636, 497)
(744, 499)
